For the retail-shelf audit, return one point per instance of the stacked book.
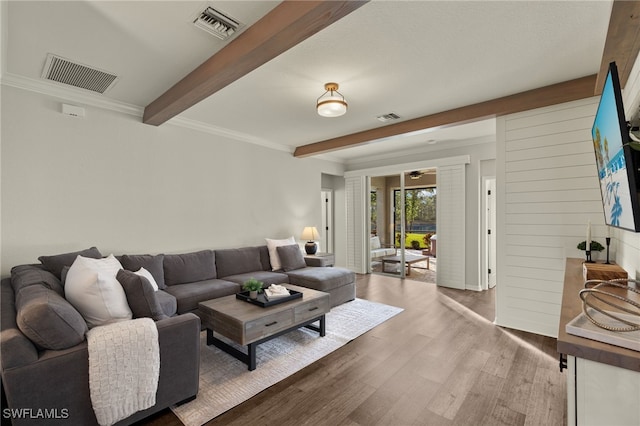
(276, 291)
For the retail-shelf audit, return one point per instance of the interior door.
(326, 229)
(491, 232)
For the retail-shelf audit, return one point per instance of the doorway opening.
(402, 218)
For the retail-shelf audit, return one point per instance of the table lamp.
(310, 233)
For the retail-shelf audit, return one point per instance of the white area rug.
(226, 382)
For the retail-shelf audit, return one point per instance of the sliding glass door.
(402, 222)
(386, 252)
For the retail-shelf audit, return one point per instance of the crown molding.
(75, 95)
(227, 133)
(70, 93)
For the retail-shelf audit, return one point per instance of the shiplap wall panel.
(548, 191)
(548, 140)
(451, 226)
(587, 194)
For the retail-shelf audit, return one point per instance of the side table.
(320, 259)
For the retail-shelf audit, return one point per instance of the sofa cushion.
(141, 295)
(168, 303)
(291, 257)
(152, 263)
(92, 288)
(189, 267)
(375, 243)
(273, 252)
(322, 279)
(47, 319)
(267, 277)
(26, 275)
(55, 263)
(190, 294)
(237, 261)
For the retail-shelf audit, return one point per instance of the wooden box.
(602, 271)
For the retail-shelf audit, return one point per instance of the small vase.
(253, 294)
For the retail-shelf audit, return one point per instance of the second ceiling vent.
(217, 23)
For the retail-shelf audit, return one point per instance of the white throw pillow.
(273, 252)
(92, 288)
(144, 273)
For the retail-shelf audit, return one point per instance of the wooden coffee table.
(409, 259)
(250, 325)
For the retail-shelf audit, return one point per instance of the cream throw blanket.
(124, 367)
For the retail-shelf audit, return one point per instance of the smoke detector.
(217, 23)
(64, 71)
(388, 117)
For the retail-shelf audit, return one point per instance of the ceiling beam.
(550, 95)
(286, 25)
(623, 42)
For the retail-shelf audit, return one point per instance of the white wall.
(479, 152)
(110, 181)
(547, 191)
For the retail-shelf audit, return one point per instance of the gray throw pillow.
(291, 257)
(55, 263)
(26, 275)
(141, 296)
(47, 319)
(152, 263)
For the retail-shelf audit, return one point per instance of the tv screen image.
(610, 133)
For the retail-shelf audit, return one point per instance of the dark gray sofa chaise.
(50, 371)
(56, 377)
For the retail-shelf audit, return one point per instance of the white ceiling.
(412, 58)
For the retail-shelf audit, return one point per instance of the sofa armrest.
(15, 348)
(179, 339)
(60, 379)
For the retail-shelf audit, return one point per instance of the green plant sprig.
(253, 284)
(595, 246)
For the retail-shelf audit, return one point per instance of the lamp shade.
(310, 233)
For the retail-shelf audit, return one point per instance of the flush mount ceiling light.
(331, 103)
(415, 175)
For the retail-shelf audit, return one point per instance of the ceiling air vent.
(388, 117)
(77, 75)
(217, 23)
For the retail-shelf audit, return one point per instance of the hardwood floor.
(440, 362)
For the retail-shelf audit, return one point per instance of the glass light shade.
(310, 233)
(331, 103)
(332, 106)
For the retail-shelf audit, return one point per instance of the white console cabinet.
(603, 381)
(601, 395)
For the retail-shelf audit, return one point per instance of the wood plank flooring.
(440, 362)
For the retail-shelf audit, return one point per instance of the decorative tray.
(264, 302)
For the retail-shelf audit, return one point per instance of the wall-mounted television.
(617, 162)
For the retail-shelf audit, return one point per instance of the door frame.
(326, 231)
(488, 240)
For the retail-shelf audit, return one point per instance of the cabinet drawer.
(266, 326)
(313, 309)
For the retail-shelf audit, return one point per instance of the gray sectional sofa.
(44, 352)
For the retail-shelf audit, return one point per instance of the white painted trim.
(70, 94)
(399, 168)
(354, 162)
(79, 96)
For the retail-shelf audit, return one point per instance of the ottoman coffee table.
(249, 325)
